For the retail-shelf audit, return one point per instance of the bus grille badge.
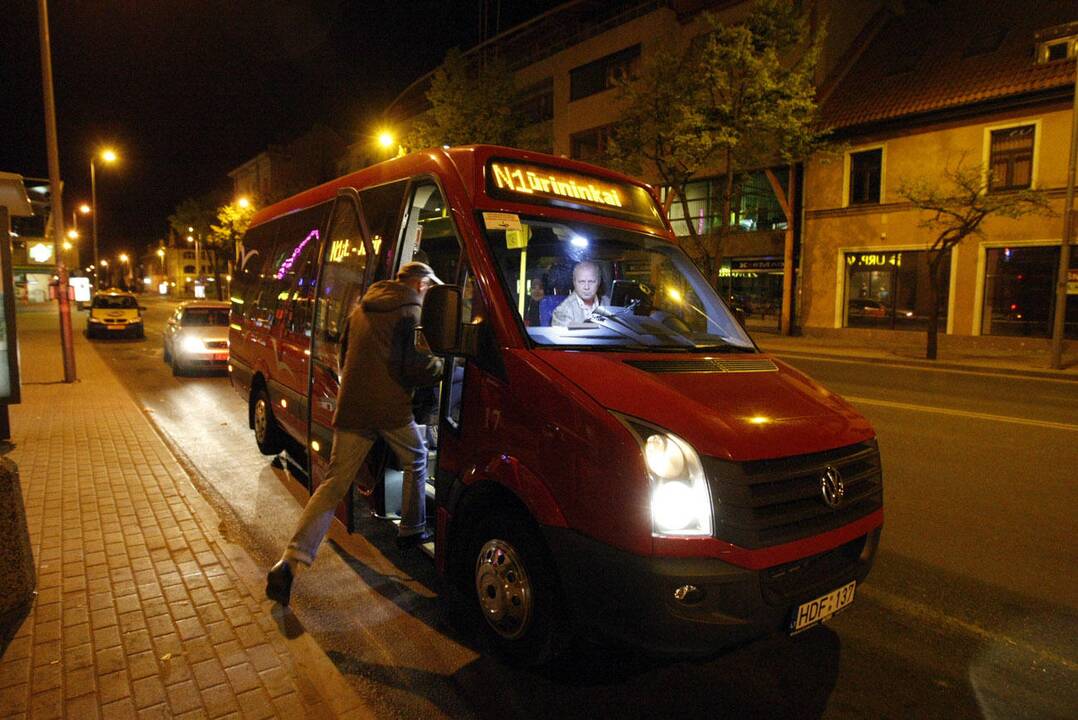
(832, 489)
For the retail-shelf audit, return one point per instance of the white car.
(196, 337)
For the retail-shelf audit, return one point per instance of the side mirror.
(440, 319)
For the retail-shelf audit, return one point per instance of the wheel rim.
(260, 419)
(504, 589)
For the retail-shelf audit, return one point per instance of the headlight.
(93, 319)
(192, 344)
(680, 499)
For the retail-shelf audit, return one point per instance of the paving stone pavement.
(143, 608)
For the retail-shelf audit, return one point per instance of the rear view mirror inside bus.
(441, 319)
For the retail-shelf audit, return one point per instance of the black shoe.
(407, 542)
(279, 583)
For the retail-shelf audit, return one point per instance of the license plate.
(117, 327)
(220, 357)
(822, 608)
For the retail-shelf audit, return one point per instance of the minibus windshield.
(577, 284)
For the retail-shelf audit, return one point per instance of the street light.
(108, 156)
(198, 258)
(243, 202)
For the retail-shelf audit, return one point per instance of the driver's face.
(586, 283)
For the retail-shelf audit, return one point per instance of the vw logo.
(832, 489)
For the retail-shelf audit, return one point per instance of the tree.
(470, 103)
(232, 222)
(956, 208)
(740, 97)
(197, 213)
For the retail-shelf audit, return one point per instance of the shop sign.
(758, 264)
(40, 253)
(1072, 281)
(881, 260)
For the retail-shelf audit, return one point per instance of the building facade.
(942, 86)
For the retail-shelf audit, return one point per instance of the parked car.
(864, 307)
(114, 313)
(196, 337)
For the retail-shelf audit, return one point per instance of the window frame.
(986, 155)
(581, 79)
(847, 175)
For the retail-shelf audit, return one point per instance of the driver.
(583, 300)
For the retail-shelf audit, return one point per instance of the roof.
(943, 55)
(205, 304)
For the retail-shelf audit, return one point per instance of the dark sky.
(187, 90)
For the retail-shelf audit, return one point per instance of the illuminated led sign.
(539, 184)
(40, 253)
(882, 260)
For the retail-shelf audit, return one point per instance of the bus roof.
(467, 161)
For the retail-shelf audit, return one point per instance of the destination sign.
(529, 183)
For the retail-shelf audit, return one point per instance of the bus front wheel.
(515, 590)
(267, 433)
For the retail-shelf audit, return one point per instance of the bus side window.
(382, 209)
(296, 272)
(257, 243)
(344, 268)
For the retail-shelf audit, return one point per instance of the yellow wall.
(832, 228)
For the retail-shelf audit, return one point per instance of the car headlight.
(93, 319)
(192, 344)
(680, 499)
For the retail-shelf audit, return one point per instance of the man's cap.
(417, 271)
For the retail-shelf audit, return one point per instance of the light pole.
(161, 257)
(124, 273)
(191, 237)
(108, 156)
(104, 264)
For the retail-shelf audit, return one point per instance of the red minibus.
(640, 472)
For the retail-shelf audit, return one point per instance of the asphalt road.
(970, 612)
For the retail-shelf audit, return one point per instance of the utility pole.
(56, 193)
(1059, 324)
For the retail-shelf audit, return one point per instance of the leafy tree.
(232, 222)
(956, 208)
(738, 97)
(470, 103)
(197, 213)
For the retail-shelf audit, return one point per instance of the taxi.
(114, 313)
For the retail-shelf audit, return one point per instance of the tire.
(166, 355)
(515, 591)
(267, 432)
(177, 369)
(140, 333)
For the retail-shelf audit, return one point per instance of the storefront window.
(753, 286)
(1019, 293)
(891, 290)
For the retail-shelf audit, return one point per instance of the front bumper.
(114, 329)
(208, 358)
(630, 599)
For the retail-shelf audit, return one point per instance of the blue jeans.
(349, 451)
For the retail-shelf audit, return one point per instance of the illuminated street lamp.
(386, 139)
(107, 156)
(243, 202)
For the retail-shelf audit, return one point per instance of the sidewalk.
(143, 608)
(1029, 363)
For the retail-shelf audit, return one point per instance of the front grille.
(770, 502)
(115, 321)
(217, 344)
(704, 365)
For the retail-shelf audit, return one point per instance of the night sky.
(187, 91)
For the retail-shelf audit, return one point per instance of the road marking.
(926, 613)
(963, 413)
(1011, 372)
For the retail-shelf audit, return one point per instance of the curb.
(1045, 374)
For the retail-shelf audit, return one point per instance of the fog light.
(689, 594)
